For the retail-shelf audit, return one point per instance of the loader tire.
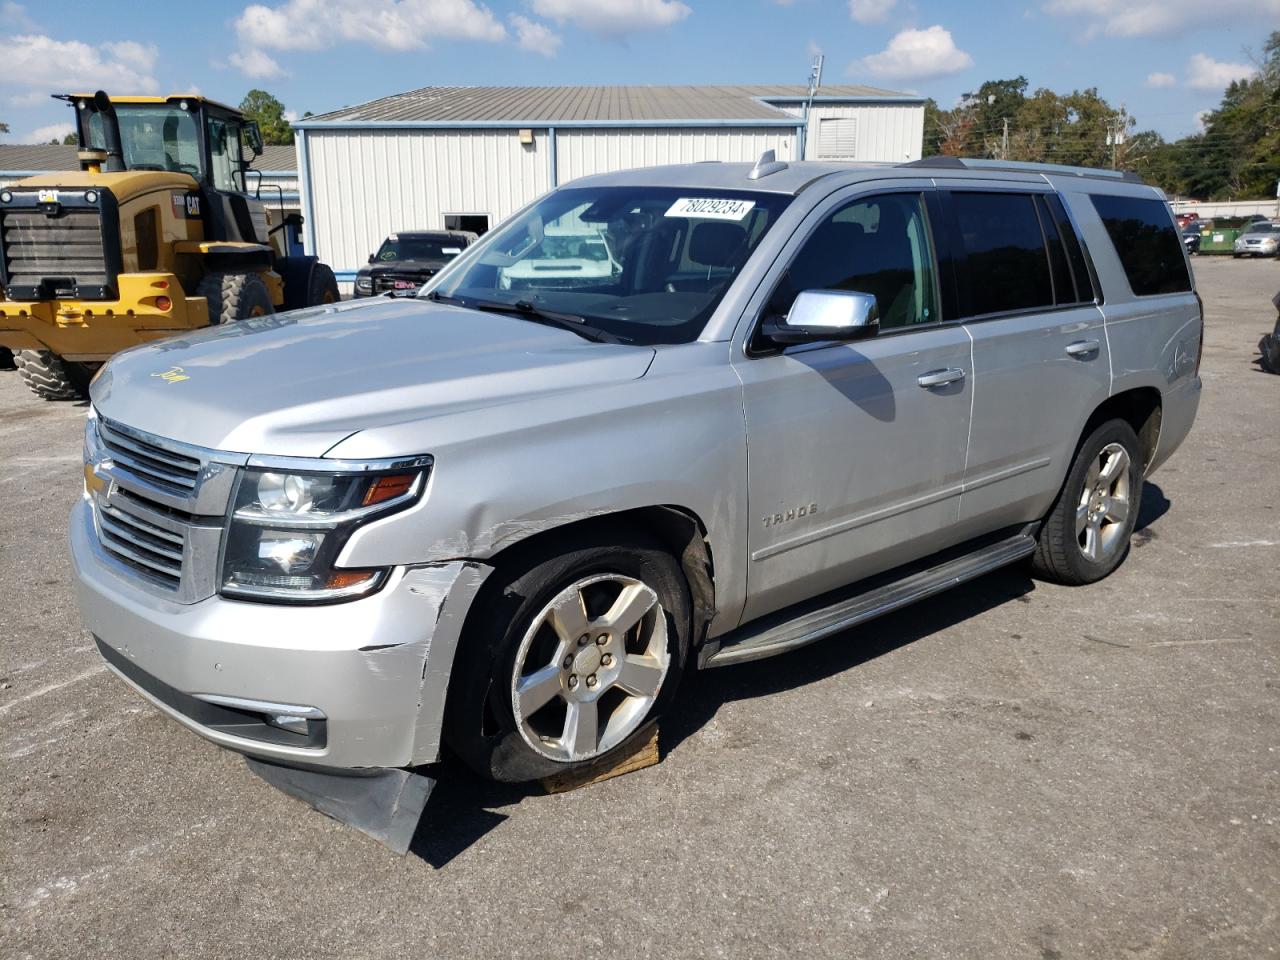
(49, 376)
(322, 287)
(235, 296)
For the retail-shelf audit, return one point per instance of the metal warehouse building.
(467, 157)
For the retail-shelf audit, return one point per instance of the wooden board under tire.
(644, 755)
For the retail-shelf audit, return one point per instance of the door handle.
(1082, 348)
(940, 378)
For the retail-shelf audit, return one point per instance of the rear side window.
(1142, 231)
(1007, 263)
(1081, 274)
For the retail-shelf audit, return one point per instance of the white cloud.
(1206, 73)
(389, 24)
(613, 18)
(256, 64)
(1142, 18)
(1198, 119)
(870, 11)
(535, 36)
(36, 65)
(1161, 79)
(13, 16)
(917, 55)
(51, 132)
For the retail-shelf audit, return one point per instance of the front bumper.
(96, 329)
(374, 670)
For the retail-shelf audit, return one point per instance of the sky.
(1164, 60)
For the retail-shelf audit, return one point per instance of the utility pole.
(815, 81)
(1004, 146)
(1116, 127)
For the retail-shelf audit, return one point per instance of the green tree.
(269, 112)
(4, 127)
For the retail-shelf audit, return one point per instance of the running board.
(754, 642)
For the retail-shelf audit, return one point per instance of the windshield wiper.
(565, 321)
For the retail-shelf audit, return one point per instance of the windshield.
(1264, 228)
(154, 137)
(645, 264)
(418, 248)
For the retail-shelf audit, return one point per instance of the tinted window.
(879, 245)
(419, 248)
(1145, 240)
(1007, 264)
(1076, 256)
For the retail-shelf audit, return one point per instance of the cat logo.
(172, 375)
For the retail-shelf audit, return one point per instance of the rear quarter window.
(1147, 243)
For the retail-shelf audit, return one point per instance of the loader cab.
(210, 142)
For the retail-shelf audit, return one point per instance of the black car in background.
(1191, 237)
(407, 260)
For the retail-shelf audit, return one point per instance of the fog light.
(286, 721)
(163, 304)
(6, 196)
(91, 196)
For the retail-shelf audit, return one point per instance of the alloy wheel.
(1102, 513)
(590, 667)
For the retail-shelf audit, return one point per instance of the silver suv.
(508, 515)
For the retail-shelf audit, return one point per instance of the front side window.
(644, 264)
(1148, 245)
(1007, 264)
(224, 155)
(877, 245)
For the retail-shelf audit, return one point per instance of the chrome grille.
(148, 548)
(148, 460)
(158, 507)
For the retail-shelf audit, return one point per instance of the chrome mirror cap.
(818, 315)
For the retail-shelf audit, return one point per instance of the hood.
(297, 383)
(406, 266)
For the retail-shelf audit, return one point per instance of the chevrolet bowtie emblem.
(93, 483)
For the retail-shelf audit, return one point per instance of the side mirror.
(253, 137)
(818, 315)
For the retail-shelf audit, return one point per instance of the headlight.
(364, 284)
(288, 527)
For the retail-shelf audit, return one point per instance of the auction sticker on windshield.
(711, 208)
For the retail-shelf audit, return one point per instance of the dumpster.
(1218, 239)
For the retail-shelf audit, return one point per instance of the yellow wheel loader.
(156, 235)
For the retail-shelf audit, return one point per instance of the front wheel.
(235, 296)
(567, 659)
(1086, 534)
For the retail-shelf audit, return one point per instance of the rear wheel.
(235, 296)
(1086, 535)
(567, 659)
(49, 376)
(322, 287)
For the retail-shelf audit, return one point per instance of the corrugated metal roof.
(51, 157)
(587, 104)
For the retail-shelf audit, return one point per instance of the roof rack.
(1017, 166)
(767, 164)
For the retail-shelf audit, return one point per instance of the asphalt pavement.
(1010, 770)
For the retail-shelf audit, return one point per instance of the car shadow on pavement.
(463, 808)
